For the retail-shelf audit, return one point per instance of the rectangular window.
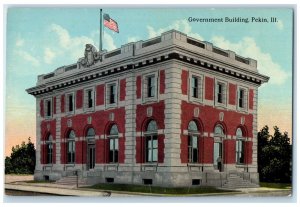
(150, 86)
(71, 151)
(49, 153)
(113, 150)
(195, 88)
(71, 102)
(240, 151)
(90, 98)
(220, 93)
(151, 148)
(48, 108)
(193, 149)
(112, 94)
(241, 98)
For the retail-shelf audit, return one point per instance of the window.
(48, 106)
(71, 147)
(90, 98)
(195, 88)
(242, 99)
(49, 150)
(113, 144)
(193, 142)
(150, 86)
(91, 153)
(218, 147)
(70, 102)
(221, 93)
(111, 94)
(240, 147)
(151, 142)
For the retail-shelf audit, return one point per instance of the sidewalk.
(71, 190)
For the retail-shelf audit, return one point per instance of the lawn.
(276, 185)
(157, 190)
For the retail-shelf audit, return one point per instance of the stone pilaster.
(130, 120)
(172, 117)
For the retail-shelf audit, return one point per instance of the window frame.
(73, 151)
(108, 104)
(200, 88)
(151, 136)
(245, 99)
(46, 108)
(193, 134)
(145, 87)
(223, 94)
(49, 153)
(67, 104)
(240, 151)
(114, 138)
(86, 99)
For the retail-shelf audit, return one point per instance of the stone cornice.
(250, 76)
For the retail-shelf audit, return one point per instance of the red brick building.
(169, 111)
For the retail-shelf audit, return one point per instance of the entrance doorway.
(218, 156)
(91, 156)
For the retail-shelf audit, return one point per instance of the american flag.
(110, 23)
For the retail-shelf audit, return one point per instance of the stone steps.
(235, 181)
(70, 180)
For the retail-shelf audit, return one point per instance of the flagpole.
(100, 36)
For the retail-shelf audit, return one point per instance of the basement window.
(195, 181)
(110, 180)
(147, 181)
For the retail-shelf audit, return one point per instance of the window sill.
(240, 165)
(111, 106)
(87, 110)
(147, 100)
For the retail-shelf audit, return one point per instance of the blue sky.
(38, 40)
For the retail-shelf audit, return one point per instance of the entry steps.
(234, 181)
(71, 181)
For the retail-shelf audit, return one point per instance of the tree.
(274, 156)
(22, 159)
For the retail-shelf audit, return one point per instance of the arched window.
(71, 147)
(91, 157)
(49, 149)
(151, 142)
(90, 133)
(113, 144)
(240, 147)
(193, 145)
(218, 147)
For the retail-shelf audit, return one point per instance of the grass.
(156, 190)
(276, 185)
(39, 181)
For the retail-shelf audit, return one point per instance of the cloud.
(109, 42)
(247, 47)
(28, 57)
(49, 55)
(19, 42)
(180, 25)
(73, 46)
(279, 25)
(133, 39)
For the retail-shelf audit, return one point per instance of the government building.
(169, 111)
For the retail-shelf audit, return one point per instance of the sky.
(39, 40)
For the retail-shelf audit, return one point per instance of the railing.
(114, 53)
(220, 52)
(197, 44)
(72, 67)
(240, 59)
(50, 75)
(151, 42)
